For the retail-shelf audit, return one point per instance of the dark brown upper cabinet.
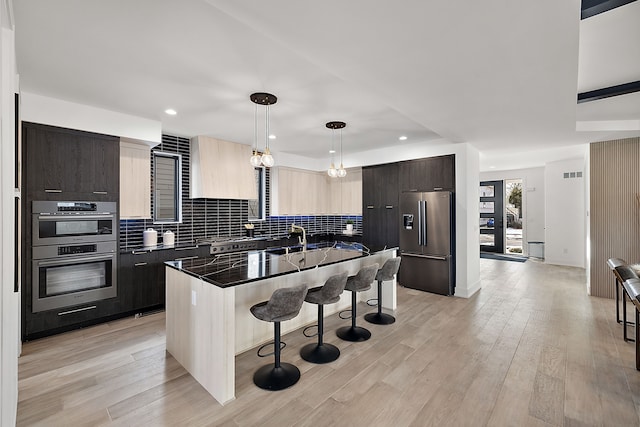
(66, 164)
(428, 174)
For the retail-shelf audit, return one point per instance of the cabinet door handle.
(52, 190)
(369, 206)
(437, 188)
(186, 258)
(140, 252)
(139, 264)
(62, 313)
(389, 206)
(100, 192)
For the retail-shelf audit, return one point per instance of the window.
(167, 182)
(257, 206)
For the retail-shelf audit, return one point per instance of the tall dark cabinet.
(380, 205)
(381, 189)
(62, 164)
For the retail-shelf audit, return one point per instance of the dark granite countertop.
(238, 268)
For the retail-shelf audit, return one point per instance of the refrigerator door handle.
(439, 258)
(420, 224)
(424, 225)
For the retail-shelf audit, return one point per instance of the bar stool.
(329, 293)
(358, 283)
(387, 272)
(613, 263)
(632, 289)
(284, 304)
(624, 273)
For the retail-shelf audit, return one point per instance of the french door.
(492, 216)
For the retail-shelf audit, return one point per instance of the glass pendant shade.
(267, 158)
(332, 172)
(342, 172)
(256, 159)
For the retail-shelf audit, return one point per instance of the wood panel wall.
(614, 209)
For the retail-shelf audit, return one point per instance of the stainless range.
(224, 245)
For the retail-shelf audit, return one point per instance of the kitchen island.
(208, 301)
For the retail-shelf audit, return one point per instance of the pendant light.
(342, 172)
(266, 99)
(333, 172)
(256, 159)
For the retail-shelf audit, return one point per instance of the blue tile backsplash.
(207, 218)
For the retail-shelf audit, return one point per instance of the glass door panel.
(491, 216)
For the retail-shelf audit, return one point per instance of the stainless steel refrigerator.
(427, 244)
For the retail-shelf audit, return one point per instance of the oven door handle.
(73, 217)
(62, 261)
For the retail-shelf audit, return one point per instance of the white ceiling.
(502, 76)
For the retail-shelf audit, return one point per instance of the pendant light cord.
(333, 147)
(255, 129)
(266, 131)
(341, 147)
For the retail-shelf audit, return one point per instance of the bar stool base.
(379, 318)
(353, 333)
(271, 378)
(323, 353)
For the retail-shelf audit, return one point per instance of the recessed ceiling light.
(492, 167)
(332, 151)
(272, 136)
(403, 138)
(171, 111)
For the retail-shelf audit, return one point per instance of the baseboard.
(468, 291)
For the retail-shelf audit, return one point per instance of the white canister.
(149, 237)
(168, 238)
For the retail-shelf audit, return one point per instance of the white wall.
(56, 112)
(467, 224)
(554, 209)
(565, 216)
(9, 300)
(533, 201)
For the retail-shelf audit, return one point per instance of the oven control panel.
(77, 249)
(74, 251)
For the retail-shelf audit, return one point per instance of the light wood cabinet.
(221, 170)
(135, 180)
(345, 194)
(304, 192)
(295, 192)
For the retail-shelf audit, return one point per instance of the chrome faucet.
(302, 240)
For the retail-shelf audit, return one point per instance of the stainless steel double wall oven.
(74, 254)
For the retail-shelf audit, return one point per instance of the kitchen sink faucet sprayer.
(302, 240)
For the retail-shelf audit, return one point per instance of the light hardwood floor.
(530, 349)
